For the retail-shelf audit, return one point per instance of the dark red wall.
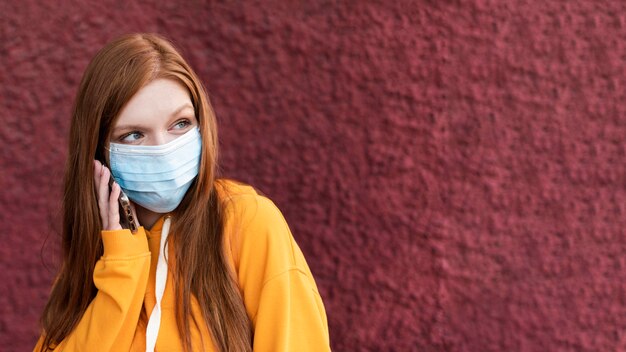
(454, 171)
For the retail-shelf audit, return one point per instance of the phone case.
(127, 220)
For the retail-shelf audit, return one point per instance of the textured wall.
(454, 171)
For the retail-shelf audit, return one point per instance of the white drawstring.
(152, 329)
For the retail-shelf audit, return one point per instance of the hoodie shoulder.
(227, 189)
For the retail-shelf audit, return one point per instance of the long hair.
(114, 75)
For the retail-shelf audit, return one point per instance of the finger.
(103, 203)
(96, 175)
(114, 208)
(134, 212)
(100, 193)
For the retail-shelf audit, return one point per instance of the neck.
(146, 217)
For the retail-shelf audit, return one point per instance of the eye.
(180, 124)
(130, 137)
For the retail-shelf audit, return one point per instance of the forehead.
(154, 103)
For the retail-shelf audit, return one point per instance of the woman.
(212, 265)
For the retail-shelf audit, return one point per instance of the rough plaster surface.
(453, 170)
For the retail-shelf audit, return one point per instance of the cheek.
(169, 138)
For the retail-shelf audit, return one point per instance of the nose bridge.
(160, 137)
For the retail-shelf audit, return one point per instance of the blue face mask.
(157, 176)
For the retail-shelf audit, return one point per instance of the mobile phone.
(127, 220)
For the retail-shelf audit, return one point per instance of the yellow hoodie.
(279, 292)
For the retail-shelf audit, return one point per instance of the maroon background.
(454, 171)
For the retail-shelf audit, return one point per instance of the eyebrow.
(181, 108)
(137, 127)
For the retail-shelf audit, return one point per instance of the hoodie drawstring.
(152, 329)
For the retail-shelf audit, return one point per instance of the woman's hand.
(107, 202)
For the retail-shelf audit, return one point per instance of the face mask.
(157, 176)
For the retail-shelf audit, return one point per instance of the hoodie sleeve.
(121, 277)
(280, 294)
